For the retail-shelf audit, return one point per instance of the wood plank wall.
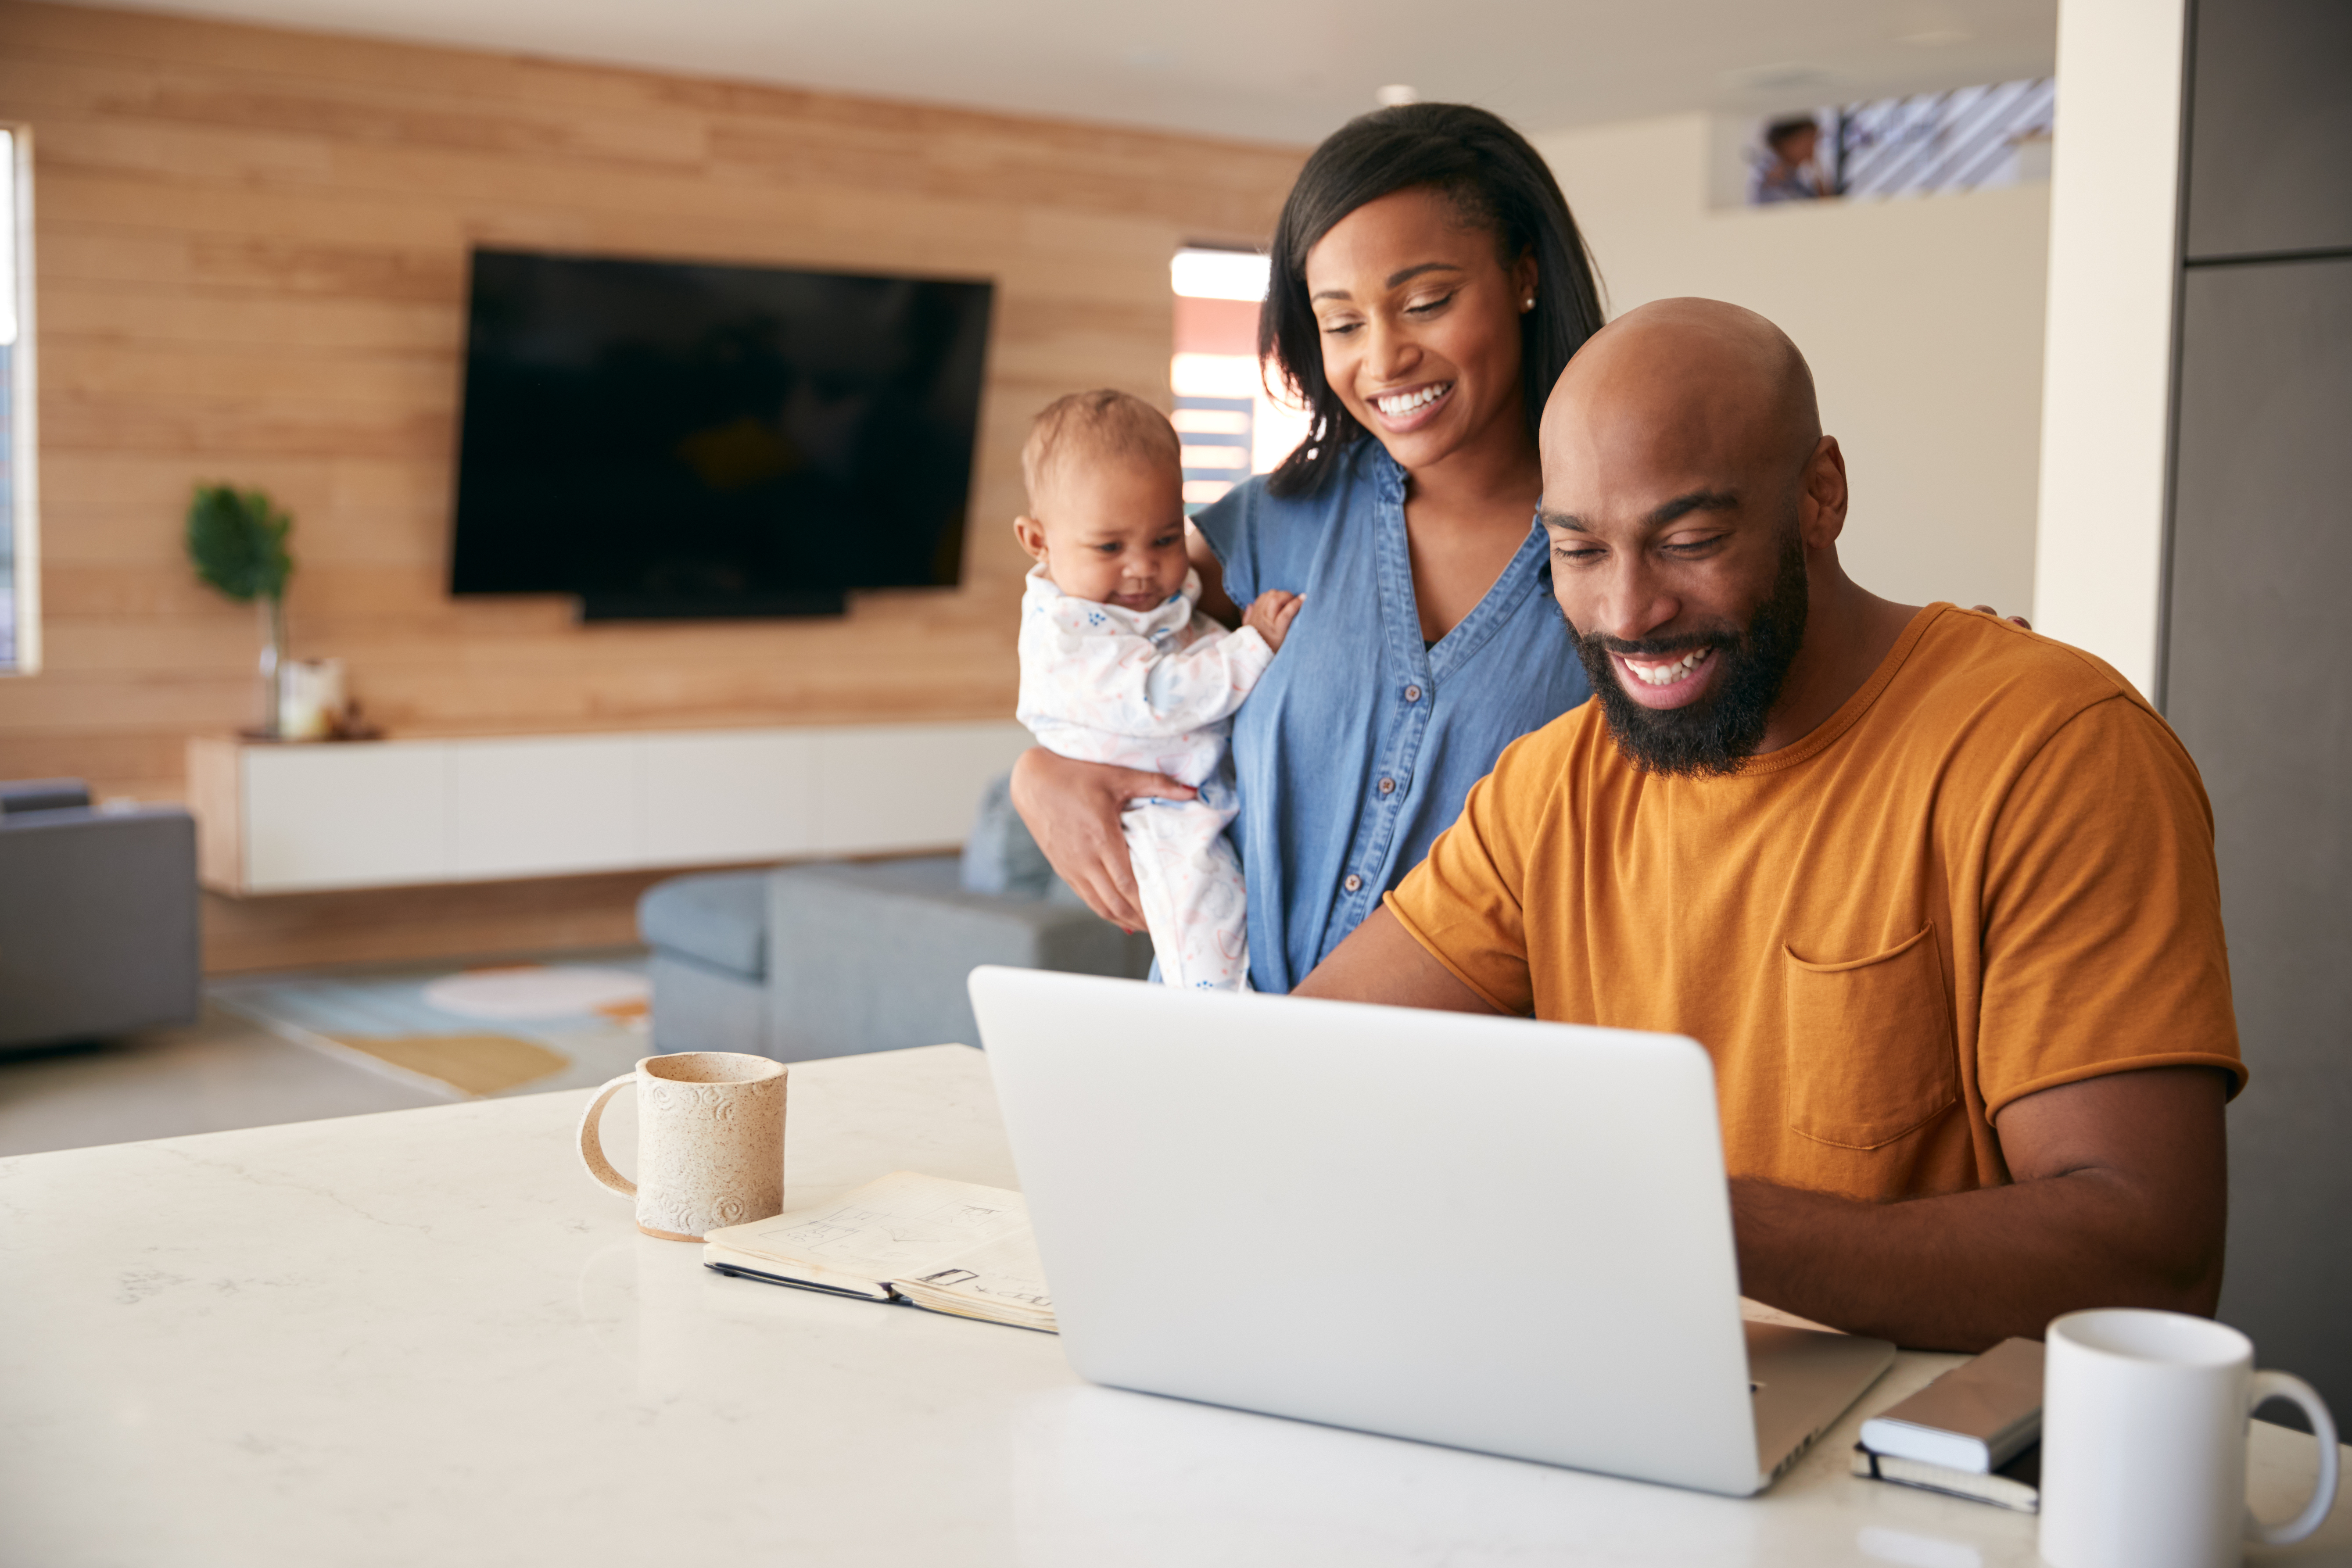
(250, 262)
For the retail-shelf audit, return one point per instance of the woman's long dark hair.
(1497, 181)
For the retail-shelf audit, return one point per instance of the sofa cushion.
(719, 917)
(98, 923)
(699, 1007)
(1000, 857)
(43, 795)
(877, 956)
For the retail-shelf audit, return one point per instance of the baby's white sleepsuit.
(1154, 689)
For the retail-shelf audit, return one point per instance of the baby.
(1118, 666)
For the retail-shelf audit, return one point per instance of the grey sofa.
(98, 929)
(840, 957)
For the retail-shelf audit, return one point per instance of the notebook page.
(904, 1223)
(1000, 1280)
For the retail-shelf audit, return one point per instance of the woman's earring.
(1528, 304)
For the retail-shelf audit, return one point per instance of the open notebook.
(948, 1245)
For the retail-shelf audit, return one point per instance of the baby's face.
(1112, 531)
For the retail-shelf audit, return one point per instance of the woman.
(1428, 287)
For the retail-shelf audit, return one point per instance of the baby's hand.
(1271, 614)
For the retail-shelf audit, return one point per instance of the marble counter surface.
(427, 1337)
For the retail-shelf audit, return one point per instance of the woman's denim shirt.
(1357, 748)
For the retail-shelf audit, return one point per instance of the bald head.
(1694, 508)
(1681, 384)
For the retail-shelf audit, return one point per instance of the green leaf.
(236, 542)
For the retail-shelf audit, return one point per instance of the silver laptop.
(1485, 1232)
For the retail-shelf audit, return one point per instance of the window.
(19, 583)
(1231, 426)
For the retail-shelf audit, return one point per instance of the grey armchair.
(97, 917)
(840, 957)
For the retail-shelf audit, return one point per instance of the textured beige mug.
(710, 1142)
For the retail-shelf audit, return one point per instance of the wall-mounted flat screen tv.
(667, 439)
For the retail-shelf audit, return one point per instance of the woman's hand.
(2013, 620)
(1072, 808)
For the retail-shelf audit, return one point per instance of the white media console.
(307, 818)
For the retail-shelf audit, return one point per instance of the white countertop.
(427, 1337)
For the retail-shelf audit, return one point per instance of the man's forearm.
(1965, 1271)
(1381, 962)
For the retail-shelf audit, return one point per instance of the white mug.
(710, 1142)
(2144, 1443)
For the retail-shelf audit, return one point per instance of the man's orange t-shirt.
(1990, 872)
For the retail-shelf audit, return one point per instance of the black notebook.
(2016, 1485)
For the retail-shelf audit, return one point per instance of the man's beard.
(1715, 734)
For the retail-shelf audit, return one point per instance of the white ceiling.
(1282, 70)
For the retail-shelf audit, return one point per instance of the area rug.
(549, 1026)
(539, 991)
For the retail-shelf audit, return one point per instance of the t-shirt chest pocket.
(1869, 1043)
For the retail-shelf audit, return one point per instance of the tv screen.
(670, 439)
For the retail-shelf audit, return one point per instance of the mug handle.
(592, 1154)
(2280, 1385)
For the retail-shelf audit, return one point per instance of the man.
(1938, 894)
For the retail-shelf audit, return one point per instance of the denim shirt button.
(1388, 786)
(1354, 883)
(1412, 694)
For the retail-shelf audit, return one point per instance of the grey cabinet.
(2270, 127)
(2259, 687)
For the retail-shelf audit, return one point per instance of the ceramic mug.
(2144, 1443)
(710, 1142)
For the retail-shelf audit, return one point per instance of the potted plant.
(236, 542)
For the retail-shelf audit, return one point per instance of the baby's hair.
(1104, 422)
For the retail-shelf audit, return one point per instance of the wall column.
(2115, 197)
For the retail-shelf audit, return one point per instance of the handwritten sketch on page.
(950, 1245)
